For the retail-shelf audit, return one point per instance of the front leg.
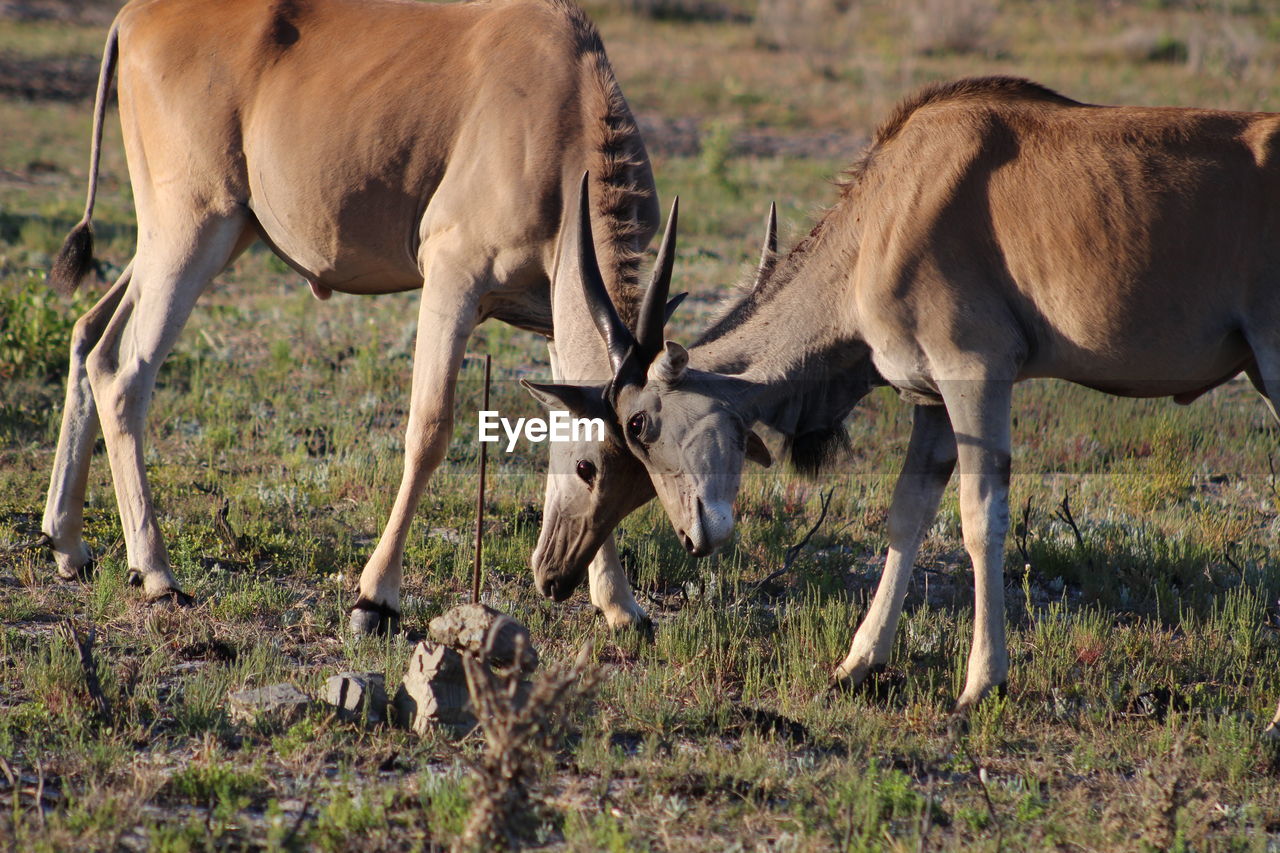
(931, 456)
(611, 591)
(980, 414)
(447, 316)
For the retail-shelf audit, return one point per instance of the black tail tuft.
(74, 261)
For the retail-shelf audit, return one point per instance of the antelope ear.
(585, 401)
(669, 367)
(757, 452)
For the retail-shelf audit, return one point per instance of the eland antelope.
(375, 146)
(994, 231)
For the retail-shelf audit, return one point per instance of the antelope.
(993, 231)
(375, 146)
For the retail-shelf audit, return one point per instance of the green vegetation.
(1143, 622)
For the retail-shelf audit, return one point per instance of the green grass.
(1144, 653)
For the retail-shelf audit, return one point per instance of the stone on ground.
(276, 704)
(434, 691)
(493, 637)
(358, 696)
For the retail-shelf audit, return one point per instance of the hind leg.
(169, 275)
(64, 508)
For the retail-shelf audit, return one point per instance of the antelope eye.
(586, 471)
(635, 426)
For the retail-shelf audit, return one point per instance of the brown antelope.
(375, 146)
(993, 231)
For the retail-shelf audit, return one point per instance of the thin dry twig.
(792, 553)
(1064, 515)
(986, 795)
(302, 812)
(40, 792)
(1022, 534)
(478, 566)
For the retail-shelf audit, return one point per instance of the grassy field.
(1143, 613)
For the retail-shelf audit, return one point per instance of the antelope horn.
(672, 304)
(769, 252)
(617, 337)
(653, 310)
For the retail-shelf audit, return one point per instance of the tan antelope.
(993, 231)
(375, 146)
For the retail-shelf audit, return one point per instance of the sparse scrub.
(811, 25)
(940, 27)
(35, 329)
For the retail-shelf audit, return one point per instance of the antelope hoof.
(637, 622)
(74, 565)
(849, 680)
(171, 598)
(642, 627)
(970, 699)
(369, 617)
(83, 572)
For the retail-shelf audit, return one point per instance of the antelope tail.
(75, 259)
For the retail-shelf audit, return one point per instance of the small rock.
(446, 534)
(358, 696)
(434, 691)
(277, 704)
(492, 636)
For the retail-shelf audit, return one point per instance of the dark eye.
(635, 426)
(586, 471)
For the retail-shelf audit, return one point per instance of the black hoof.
(171, 598)
(369, 617)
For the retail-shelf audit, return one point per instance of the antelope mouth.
(711, 529)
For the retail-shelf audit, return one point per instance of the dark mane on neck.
(623, 200)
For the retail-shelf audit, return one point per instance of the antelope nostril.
(688, 542)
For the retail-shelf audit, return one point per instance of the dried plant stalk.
(520, 722)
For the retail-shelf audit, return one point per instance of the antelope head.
(683, 424)
(592, 485)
